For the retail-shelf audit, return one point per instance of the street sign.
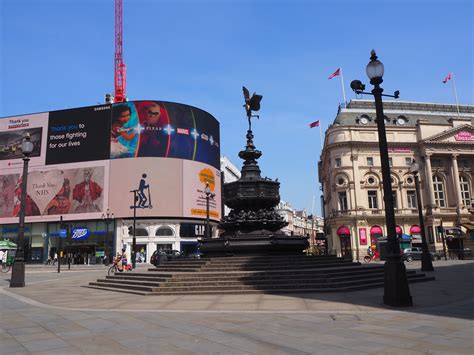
(62, 233)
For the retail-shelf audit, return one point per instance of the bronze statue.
(251, 104)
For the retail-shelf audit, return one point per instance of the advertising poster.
(157, 182)
(13, 130)
(78, 135)
(164, 129)
(196, 175)
(75, 192)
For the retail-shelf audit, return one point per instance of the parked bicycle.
(6, 267)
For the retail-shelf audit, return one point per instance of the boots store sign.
(80, 234)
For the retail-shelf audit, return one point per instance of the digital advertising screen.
(78, 167)
(12, 132)
(74, 191)
(80, 134)
(164, 129)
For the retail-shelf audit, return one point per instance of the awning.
(376, 230)
(415, 229)
(406, 238)
(398, 230)
(7, 244)
(343, 230)
(469, 226)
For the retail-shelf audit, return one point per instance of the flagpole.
(455, 94)
(320, 136)
(343, 91)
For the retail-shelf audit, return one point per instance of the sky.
(58, 54)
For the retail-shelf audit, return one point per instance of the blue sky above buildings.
(60, 54)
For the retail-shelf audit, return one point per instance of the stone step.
(336, 287)
(273, 276)
(271, 273)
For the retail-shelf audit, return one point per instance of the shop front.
(86, 242)
(344, 234)
(415, 234)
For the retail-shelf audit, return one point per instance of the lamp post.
(134, 240)
(18, 271)
(108, 218)
(396, 290)
(426, 264)
(209, 195)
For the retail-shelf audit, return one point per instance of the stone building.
(440, 137)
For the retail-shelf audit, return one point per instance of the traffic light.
(130, 230)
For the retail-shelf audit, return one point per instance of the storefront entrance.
(345, 240)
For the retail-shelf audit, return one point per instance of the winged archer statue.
(251, 104)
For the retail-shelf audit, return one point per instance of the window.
(164, 232)
(439, 191)
(411, 197)
(370, 161)
(390, 162)
(408, 161)
(395, 202)
(342, 201)
(338, 162)
(465, 191)
(372, 199)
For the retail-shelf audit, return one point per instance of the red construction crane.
(120, 68)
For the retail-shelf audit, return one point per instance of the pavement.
(55, 314)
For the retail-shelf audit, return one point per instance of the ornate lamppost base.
(396, 291)
(18, 274)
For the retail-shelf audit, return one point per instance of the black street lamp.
(108, 217)
(18, 271)
(426, 263)
(396, 290)
(209, 195)
(134, 240)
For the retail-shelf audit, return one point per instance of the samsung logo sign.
(80, 234)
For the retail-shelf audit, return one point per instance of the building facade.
(142, 164)
(440, 138)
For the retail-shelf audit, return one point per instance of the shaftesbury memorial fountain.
(252, 226)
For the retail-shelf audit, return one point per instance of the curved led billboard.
(79, 164)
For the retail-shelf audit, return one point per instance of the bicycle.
(5, 267)
(369, 258)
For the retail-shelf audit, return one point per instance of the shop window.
(164, 232)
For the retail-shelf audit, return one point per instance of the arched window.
(465, 191)
(164, 232)
(141, 232)
(438, 188)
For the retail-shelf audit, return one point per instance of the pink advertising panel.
(158, 183)
(363, 236)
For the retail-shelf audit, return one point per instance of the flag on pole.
(448, 77)
(314, 124)
(336, 73)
